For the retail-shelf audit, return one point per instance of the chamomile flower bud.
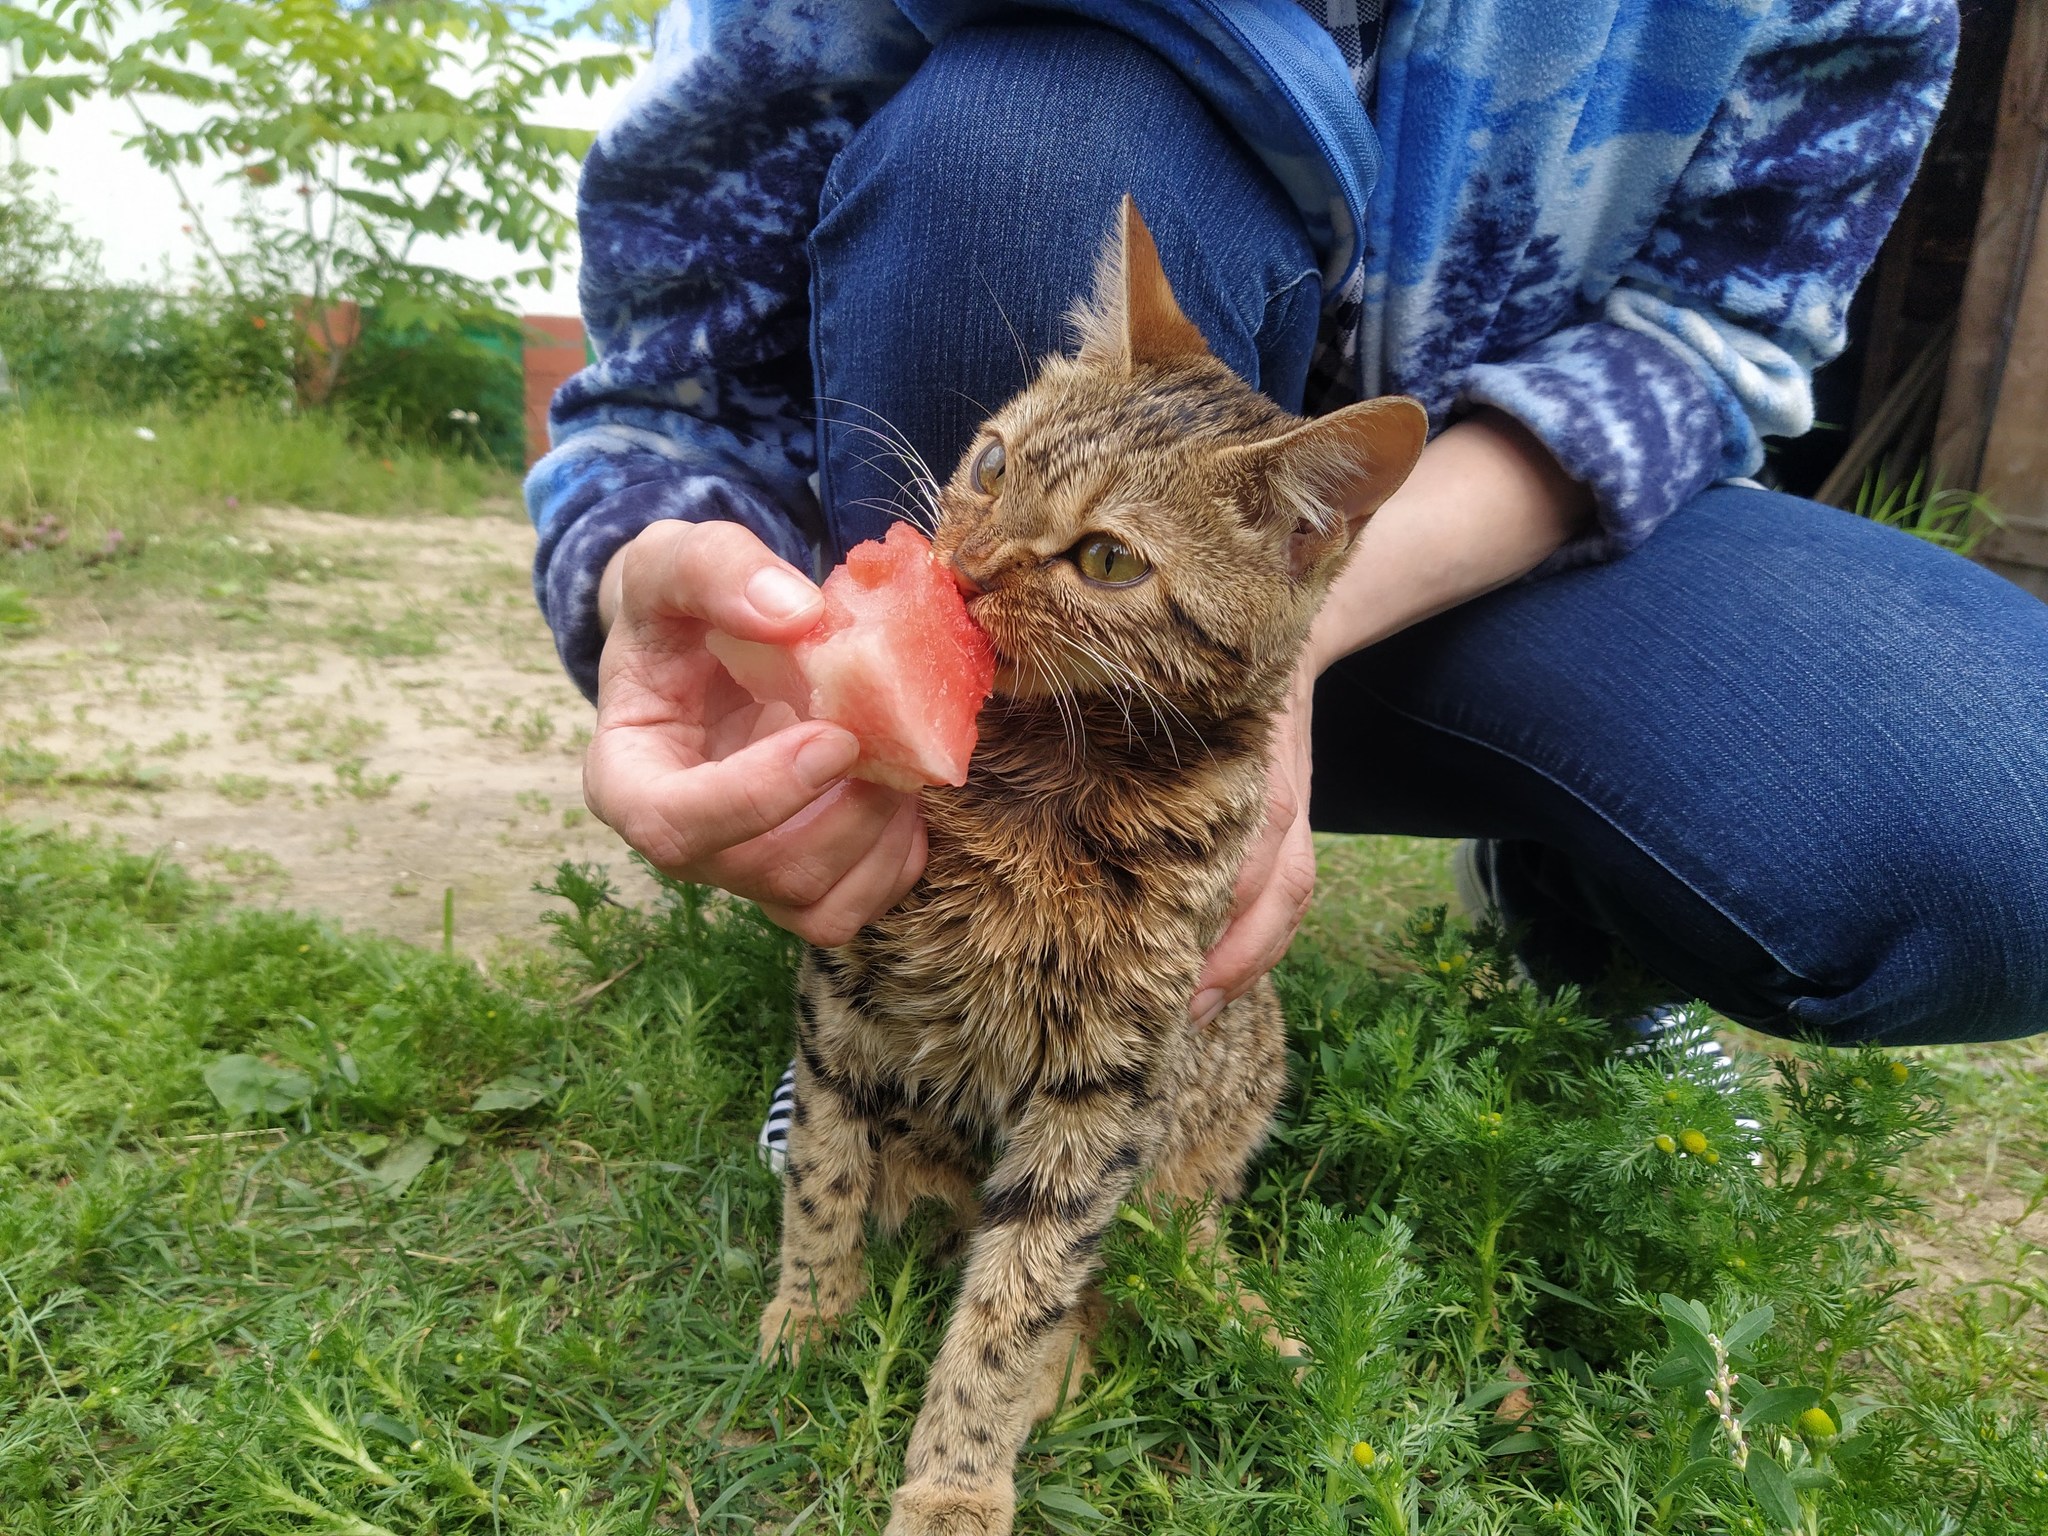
(1900, 1071)
(1693, 1141)
(1663, 1143)
(1364, 1455)
(1816, 1425)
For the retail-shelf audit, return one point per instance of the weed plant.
(159, 502)
(302, 1231)
(445, 375)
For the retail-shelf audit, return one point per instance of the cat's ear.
(1133, 319)
(1324, 479)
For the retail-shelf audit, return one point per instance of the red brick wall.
(554, 350)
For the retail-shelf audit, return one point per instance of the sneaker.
(1472, 879)
(773, 1142)
(1680, 1034)
(1678, 1037)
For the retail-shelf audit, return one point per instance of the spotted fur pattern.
(1014, 1038)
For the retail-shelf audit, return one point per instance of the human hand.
(713, 787)
(1279, 872)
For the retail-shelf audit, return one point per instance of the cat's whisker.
(920, 473)
(1023, 359)
(1124, 673)
(899, 441)
(905, 506)
(1072, 728)
(1119, 695)
(917, 502)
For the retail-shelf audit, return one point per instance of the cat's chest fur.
(1059, 927)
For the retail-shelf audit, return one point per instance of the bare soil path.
(385, 723)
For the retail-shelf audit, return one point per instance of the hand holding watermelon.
(896, 659)
(713, 786)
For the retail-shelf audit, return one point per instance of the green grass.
(304, 1231)
(181, 502)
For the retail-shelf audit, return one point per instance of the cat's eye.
(1109, 562)
(987, 473)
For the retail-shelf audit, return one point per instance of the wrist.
(1486, 504)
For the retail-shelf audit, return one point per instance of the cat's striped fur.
(1014, 1038)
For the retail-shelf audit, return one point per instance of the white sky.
(111, 195)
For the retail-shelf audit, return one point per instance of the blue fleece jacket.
(1635, 225)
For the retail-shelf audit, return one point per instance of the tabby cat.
(1146, 539)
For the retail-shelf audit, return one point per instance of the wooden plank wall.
(1993, 431)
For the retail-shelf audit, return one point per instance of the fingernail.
(1206, 1006)
(825, 757)
(776, 594)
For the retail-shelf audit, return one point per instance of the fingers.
(875, 884)
(718, 573)
(798, 863)
(1258, 935)
(682, 815)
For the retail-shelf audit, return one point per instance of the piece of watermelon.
(896, 659)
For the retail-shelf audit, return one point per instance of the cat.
(1146, 540)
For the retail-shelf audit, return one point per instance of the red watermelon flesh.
(896, 659)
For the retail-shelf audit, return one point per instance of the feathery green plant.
(311, 1232)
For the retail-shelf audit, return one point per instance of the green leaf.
(1688, 1314)
(1748, 1328)
(1778, 1405)
(33, 96)
(1062, 1502)
(401, 1165)
(1690, 1473)
(1680, 1368)
(248, 1085)
(1482, 1397)
(514, 1091)
(1521, 1440)
(1772, 1490)
(440, 1134)
(1561, 1293)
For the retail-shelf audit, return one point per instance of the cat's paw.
(789, 1327)
(928, 1509)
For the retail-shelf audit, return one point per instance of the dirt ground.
(387, 722)
(389, 726)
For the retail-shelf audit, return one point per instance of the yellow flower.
(1664, 1143)
(1364, 1455)
(1712, 1159)
(1693, 1141)
(1671, 1095)
(1815, 1424)
(1900, 1071)
(1859, 1082)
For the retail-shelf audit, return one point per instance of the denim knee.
(1961, 950)
(959, 226)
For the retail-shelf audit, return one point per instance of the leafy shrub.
(448, 377)
(313, 1231)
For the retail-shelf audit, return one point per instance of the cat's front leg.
(1069, 1163)
(827, 1183)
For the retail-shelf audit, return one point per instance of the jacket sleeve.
(1708, 342)
(694, 208)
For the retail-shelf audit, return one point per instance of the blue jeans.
(1791, 762)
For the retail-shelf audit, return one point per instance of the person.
(1775, 756)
